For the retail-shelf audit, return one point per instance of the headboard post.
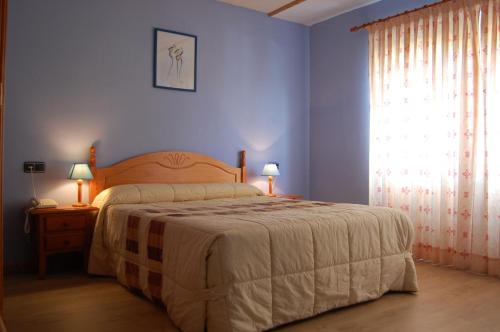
(92, 157)
(93, 168)
(243, 166)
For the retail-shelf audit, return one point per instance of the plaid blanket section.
(154, 253)
(156, 229)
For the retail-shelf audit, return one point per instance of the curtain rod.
(362, 26)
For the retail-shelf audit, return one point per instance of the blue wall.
(80, 72)
(339, 150)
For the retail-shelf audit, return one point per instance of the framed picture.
(174, 60)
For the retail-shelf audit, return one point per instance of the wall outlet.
(34, 167)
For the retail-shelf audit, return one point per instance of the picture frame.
(174, 60)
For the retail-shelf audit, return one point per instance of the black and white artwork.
(174, 60)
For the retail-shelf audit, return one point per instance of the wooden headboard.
(165, 167)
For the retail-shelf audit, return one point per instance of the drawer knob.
(66, 242)
(65, 224)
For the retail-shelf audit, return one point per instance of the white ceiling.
(308, 12)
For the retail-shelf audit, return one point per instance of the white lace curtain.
(435, 129)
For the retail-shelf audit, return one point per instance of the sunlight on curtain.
(435, 129)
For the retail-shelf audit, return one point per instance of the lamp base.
(79, 201)
(270, 181)
(80, 205)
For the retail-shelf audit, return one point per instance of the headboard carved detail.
(165, 167)
(177, 160)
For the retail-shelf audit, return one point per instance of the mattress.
(250, 262)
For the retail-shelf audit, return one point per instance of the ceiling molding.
(285, 7)
(306, 12)
(326, 18)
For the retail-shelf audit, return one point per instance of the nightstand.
(289, 196)
(61, 229)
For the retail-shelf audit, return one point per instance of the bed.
(185, 230)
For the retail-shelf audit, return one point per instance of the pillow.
(151, 193)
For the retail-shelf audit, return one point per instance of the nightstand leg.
(85, 261)
(42, 258)
(42, 266)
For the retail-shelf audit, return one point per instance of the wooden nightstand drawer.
(57, 223)
(60, 230)
(65, 242)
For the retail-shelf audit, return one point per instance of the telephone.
(42, 203)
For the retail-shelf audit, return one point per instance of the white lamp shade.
(80, 172)
(270, 169)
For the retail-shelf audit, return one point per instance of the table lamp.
(80, 172)
(270, 170)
